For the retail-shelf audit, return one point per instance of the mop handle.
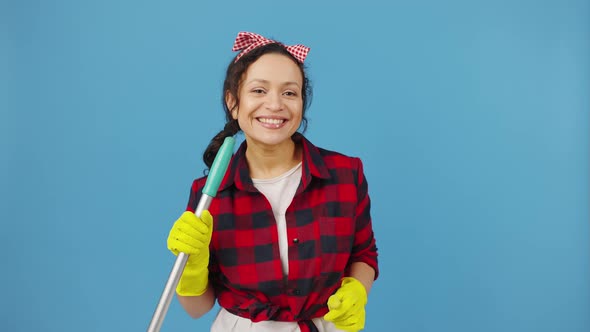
(216, 174)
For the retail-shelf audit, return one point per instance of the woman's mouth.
(271, 123)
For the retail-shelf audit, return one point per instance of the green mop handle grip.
(216, 174)
(219, 167)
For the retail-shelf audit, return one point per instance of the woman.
(291, 247)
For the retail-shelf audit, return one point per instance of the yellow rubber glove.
(192, 235)
(347, 306)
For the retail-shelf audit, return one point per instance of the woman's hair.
(231, 85)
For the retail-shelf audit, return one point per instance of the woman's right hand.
(192, 235)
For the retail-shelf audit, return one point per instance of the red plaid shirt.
(328, 229)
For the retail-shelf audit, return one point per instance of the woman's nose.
(274, 102)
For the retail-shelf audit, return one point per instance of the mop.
(216, 174)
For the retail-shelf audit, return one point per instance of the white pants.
(228, 322)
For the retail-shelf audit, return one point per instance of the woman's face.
(271, 104)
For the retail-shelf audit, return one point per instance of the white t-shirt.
(279, 192)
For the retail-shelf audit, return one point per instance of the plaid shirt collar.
(312, 166)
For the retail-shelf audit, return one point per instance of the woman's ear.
(230, 102)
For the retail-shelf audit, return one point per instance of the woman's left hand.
(347, 306)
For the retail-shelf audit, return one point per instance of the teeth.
(271, 121)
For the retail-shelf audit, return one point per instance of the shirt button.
(295, 240)
(296, 291)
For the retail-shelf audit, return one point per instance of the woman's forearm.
(197, 306)
(363, 273)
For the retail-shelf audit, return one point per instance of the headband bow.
(247, 41)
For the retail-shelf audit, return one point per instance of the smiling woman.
(269, 112)
(292, 245)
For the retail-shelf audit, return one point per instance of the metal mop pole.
(216, 173)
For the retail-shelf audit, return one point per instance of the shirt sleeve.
(364, 247)
(195, 195)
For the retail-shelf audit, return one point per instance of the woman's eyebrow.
(259, 80)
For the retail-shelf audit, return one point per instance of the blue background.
(472, 119)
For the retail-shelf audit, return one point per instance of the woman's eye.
(258, 91)
(290, 93)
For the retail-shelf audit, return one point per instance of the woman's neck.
(265, 162)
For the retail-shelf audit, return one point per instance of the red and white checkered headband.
(247, 41)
